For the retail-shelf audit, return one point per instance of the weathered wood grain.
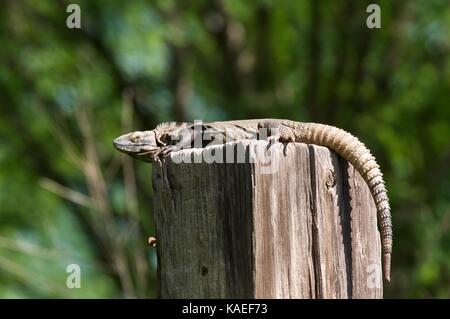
(301, 226)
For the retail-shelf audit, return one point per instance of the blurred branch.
(315, 56)
(264, 64)
(102, 232)
(114, 166)
(344, 28)
(128, 171)
(440, 169)
(66, 193)
(28, 248)
(41, 163)
(86, 35)
(32, 149)
(34, 250)
(130, 183)
(98, 191)
(69, 148)
(27, 277)
(177, 78)
(226, 33)
(392, 53)
(359, 71)
(178, 83)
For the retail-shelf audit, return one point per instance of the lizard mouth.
(135, 149)
(123, 145)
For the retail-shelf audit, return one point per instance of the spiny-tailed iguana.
(172, 136)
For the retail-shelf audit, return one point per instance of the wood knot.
(331, 180)
(204, 271)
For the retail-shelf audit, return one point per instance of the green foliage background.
(67, 197)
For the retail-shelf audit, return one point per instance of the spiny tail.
(355, 152)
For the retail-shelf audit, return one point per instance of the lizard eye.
(135, 137)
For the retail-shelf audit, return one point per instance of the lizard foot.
(151, 156)
(166, 150)
(271, 140)
(286, 137)
(155, 155)
(162, 152)
(282, 139)
(285, 146)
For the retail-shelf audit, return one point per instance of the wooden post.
(302, 226)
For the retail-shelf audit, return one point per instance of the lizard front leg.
(187, 137)
(169, 144)
(281, 134)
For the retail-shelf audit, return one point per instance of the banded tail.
(355, 152)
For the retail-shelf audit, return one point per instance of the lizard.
(173, 136)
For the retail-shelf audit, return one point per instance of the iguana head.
(140, 144)
(149, 145)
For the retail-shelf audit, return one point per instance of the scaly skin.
(165, 138)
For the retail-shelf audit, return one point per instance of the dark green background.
(66, 196)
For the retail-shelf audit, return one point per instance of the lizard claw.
(285, 146)
(286, 136)
(166, 150)
(271, 140)
(155, 155)
(163, 152)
